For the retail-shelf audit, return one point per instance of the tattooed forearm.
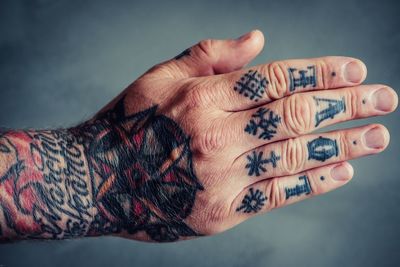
(263, 123)
(256, 162)
(302, 78)
(322, 149)
(184, 53)
(252, 202)
(252, 85)
(299, 189)
(118, 173)
(328, 108)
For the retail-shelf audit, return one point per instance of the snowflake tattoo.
(252, 202)
(256, 162)
(262, 124)
(251, 85)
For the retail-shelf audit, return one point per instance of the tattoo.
(256, 162)
(332, 108)
(142, 171)
(184, 53)
(299, 189)
(322, 149)
(252, 85)
(299, 78)
(322, 178)
(333, 74)
(262, 124)
(354, 142)
(46, 184)
(364, 101)
(252, 202)
(141, 178)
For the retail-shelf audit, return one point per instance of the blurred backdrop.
(60, 61)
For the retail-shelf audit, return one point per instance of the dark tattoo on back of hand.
(302, 78)
(263, 123)
(299, 189)
(322, 149)
(253, 201)
(184, 53)
(256, 162)
(330, 108)
(252, 85)
(142, 172)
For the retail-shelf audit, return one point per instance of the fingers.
(307, 152)
(211, 57)
(278, 192)
(303, 113)
(262, 84)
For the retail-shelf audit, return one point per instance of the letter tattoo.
(332, 108)
(322, 149)
(302, 78)
(299, 189)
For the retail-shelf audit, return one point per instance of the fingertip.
(342, 172)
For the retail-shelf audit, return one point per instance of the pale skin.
(208, 155)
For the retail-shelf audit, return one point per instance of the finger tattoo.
(256, 162)
(252, 85)
(322, 149)
(263, 123)
(329, 108)
(253, 201)
(302, 78)
(303, 188)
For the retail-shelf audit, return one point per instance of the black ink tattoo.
(256, 162)
(252, 202)
(322, 178)
(364, 101)
(142, 173)
(333, 74)
(299, 78)
(262, 124)
(184, 53)
(331, 107)
(299, 189)
(252, 85)
(354, 142)
(322, 149)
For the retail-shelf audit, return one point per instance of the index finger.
(262, 84)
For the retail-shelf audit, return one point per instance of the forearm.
(45, 189)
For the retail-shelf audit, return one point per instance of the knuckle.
(209, 140)
(277, 75)
(206, 47)
(352, 104)
(197, 97)
(294, 155)
(344, 148)
(274, 194)
(297, 114)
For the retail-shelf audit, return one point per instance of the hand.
(198, 144)
(193, 147)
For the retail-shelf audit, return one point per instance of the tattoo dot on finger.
(322, 178)
(333, 74)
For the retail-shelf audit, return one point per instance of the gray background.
(60, 61)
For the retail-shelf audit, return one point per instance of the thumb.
(211, 57)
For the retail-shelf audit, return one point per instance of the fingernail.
(374, 138)
(353, 72)
(383, 99)
(244, 37)
(340, 173)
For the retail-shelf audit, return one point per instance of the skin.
(186, 150)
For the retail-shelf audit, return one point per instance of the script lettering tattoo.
(299, 189)
(141, 167)
(263, 123)
(322, 149)
(256, 162)
(184, 53)
(302, 78)
(252, 85)
(116, 173)
(45, 191)
(330, 108)
(253, 201)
